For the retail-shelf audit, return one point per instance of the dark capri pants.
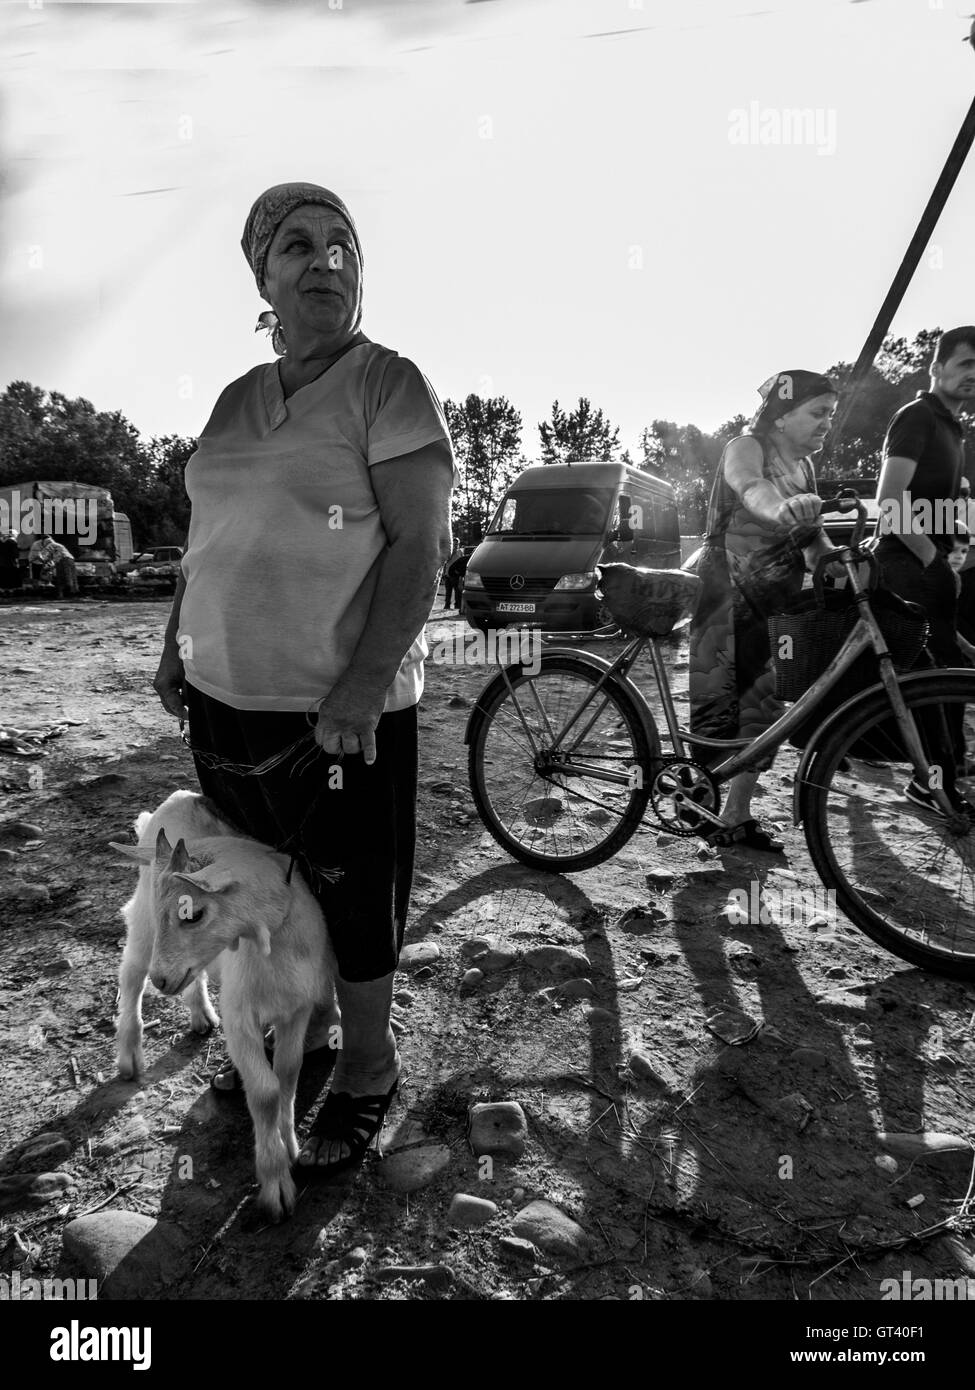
(366, 829)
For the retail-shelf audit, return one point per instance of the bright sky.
(549, 194)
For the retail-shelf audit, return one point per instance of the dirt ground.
(735, 1172)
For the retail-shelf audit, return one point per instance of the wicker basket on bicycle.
(648, 603)
(806, 638)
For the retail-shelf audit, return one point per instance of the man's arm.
(893, 488)
(414, 503)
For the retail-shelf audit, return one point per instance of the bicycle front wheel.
(555, 797)
(901, 873)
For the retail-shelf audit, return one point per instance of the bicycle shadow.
(791, 1129)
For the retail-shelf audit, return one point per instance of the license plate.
(516, 608)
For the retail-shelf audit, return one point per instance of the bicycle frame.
(865, 636)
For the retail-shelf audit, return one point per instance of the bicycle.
(565, 759)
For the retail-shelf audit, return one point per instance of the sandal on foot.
(355, 1121)
(748, 835)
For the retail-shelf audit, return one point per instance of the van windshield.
(554, 511)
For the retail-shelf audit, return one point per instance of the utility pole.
(908, 265)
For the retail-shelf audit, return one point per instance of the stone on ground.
(498, 1128)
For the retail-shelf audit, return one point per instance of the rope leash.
(214, 763)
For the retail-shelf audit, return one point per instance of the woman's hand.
(169, 683)
(802, 510)
(347, 719)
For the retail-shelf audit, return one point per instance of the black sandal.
(748, 835)
(356, 1121)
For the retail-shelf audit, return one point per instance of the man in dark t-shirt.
(920, 484)
(918, 492)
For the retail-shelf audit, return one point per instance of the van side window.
(641, 516)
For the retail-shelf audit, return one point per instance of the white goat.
(193, 907)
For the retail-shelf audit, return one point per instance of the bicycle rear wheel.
(902, 874)
(555, 803)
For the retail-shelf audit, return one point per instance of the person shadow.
(773, 1142)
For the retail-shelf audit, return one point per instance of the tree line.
(46, 435)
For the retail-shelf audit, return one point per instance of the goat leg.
(133, 973)
(289, 1037)
(245, 1043)
(196, 997)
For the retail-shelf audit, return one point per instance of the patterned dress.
(749, 568)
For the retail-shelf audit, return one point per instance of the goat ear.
(180, 858)
(163, 849)
(142, 854)
(209, 879)
(261, 937)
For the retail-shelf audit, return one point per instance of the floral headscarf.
(264, 219)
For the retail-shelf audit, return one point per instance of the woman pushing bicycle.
(763, 531)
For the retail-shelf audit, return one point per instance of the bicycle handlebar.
(848, 555)
(845, 501)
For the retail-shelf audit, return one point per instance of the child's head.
(960, 541)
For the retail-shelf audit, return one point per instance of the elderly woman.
(762, 531)
(320, 496)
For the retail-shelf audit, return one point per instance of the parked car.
(839, 525)
(157, 566)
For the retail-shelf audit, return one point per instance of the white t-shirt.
(286, 540)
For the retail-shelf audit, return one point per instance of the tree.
(900, 371)
(47, 435)
(58, 438)
(582, 434)
(486, 435)
(159, 507)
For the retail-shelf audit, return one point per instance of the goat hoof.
(131, 1068)
(277, 1201)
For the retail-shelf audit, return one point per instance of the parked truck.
(80, 516)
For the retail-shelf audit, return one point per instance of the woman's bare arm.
(414, 503)
(743, 471)
(170, 676)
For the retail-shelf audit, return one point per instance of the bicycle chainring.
(684, 778)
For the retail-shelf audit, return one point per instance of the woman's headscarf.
(264, 219)
(785, 391)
